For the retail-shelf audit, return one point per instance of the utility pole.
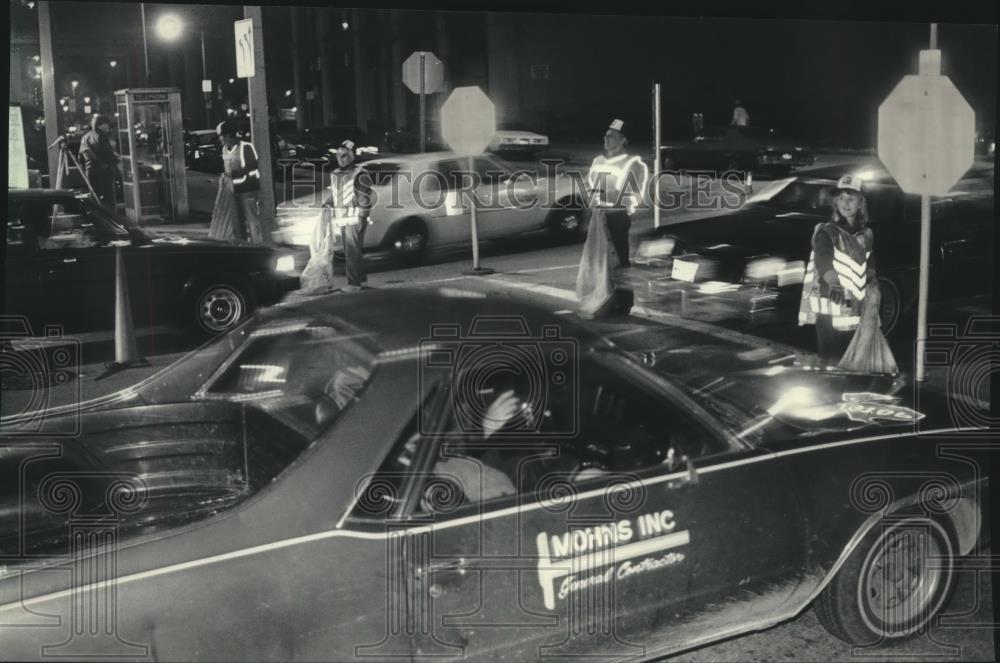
(398, 93)
(259, 127)
(300, 100)
(48, 86)
(145, 44)
(360, 74)
(323, 30)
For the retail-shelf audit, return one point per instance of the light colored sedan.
(518, 142)
(418, 204)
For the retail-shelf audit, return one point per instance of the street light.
(113, 64)
(169, 27)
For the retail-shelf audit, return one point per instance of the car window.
(710, 135)
(382, 173)
(305, 373)
(66, 224)
(608, 428)
(489, 172)
(805, 197)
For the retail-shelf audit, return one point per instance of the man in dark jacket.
(99, 161)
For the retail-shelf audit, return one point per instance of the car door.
(643, 529)
(440, 198)
(498, 198)
(22, 294)
(72, 280)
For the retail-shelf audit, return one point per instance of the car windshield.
(793, 195)
(304, 372)
(758, 133)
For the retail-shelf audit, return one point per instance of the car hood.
(756, 230)
(769, 394)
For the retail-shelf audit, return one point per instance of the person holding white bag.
(617, 184)
(345, 213)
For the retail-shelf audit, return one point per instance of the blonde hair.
(860, 219)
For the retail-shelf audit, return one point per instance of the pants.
(353, 237)
(831, 344)
(102, 179)
(619, 224)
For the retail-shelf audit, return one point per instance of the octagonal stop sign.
(468, 121)
(926, 134)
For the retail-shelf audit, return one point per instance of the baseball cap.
(849, 183)
(618, 125)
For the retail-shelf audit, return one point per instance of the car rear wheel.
(220, 306)
(894, 583)
(409, 242)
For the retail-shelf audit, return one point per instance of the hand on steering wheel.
(499, 413)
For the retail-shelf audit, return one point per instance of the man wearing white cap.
(841, 271)
(617, 184)
(345, 218)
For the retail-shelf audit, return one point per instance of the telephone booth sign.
(151, 143)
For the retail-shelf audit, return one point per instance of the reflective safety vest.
(249, 176)
(619, 181)
(347, 199)
(845, 257)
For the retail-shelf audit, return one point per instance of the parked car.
(328, 138)
(763, 247)
(60, 269)
(738, 149)
(417, 205)
(310, 482)
(514, 142)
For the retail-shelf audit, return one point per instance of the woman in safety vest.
(841, 271)
(236, 216)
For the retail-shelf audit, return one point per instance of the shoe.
(352, 288)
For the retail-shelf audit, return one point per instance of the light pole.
(145, 43)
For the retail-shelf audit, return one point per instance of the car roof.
(44, 193)
(399, 318)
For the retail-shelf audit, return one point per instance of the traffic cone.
(126, 347)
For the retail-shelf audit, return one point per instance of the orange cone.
(126, 347)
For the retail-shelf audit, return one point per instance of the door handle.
(456, 564)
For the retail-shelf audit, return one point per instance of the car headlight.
(656, 248)
(285, 264)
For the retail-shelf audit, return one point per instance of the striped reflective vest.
(349, 197)
(246, 177)
(843, 257)
(618, 182)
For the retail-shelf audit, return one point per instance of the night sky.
(815, 79)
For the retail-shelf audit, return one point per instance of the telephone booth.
(151, 143)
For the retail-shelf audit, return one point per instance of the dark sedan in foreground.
(60, 269)
(756, 256)
(411, 473)
(738, 149)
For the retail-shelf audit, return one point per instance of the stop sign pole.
(423, 73)
(926, 140)
(468, 124)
